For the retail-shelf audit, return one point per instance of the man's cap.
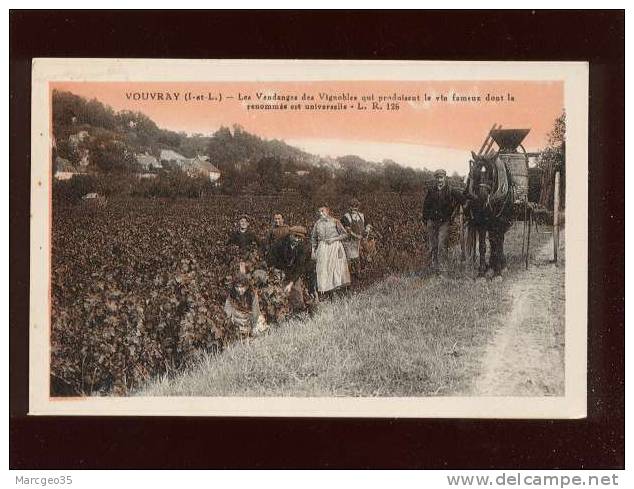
(299, 231)
(244, 216)
(440, 173)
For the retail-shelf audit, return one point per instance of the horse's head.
(481, 178)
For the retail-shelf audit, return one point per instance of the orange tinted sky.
(460, 125)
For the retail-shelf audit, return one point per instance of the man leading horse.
(488, 204)
(438, 208)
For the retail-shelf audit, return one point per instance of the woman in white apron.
(331, 263)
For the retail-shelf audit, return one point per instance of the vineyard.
(138, 285)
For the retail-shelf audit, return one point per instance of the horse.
(489, 210)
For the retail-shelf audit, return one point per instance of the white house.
(172, 156)
(200, 165)
(147, 161)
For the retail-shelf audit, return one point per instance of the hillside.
(134, 132)
(97, 144)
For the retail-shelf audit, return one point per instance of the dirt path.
(526, 356)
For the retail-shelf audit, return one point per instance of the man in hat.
(438, 207)
(292, 255)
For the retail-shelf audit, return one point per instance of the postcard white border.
(575, 78)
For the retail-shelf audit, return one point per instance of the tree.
(553, 159)
(110, 155)
(398, 178)
(270, 171)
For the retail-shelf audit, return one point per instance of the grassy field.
(407, 336)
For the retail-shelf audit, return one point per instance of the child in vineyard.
(354, 223)
(242, 308)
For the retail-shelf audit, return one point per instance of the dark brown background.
(89, 442)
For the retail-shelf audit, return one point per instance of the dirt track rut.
(526, 356)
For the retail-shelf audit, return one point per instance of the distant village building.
(200, 165)
(194, 167)
(168, 155)
(302, 173)
(63, 169)
(147, 162)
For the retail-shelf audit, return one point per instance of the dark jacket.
(243, 240)
(276, 234)
(440, 204)
(293, 261)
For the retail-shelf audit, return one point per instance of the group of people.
(306, 267)
(297, 269)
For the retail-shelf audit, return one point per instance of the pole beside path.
(556, 218)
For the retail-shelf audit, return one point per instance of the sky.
(424, 132)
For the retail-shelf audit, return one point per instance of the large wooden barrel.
(508, 141)
(517, 163)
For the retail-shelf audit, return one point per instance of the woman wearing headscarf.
(328, 252)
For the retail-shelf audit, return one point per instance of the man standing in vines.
(278, 232)
(247, 244)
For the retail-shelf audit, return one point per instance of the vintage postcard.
(309, 238)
